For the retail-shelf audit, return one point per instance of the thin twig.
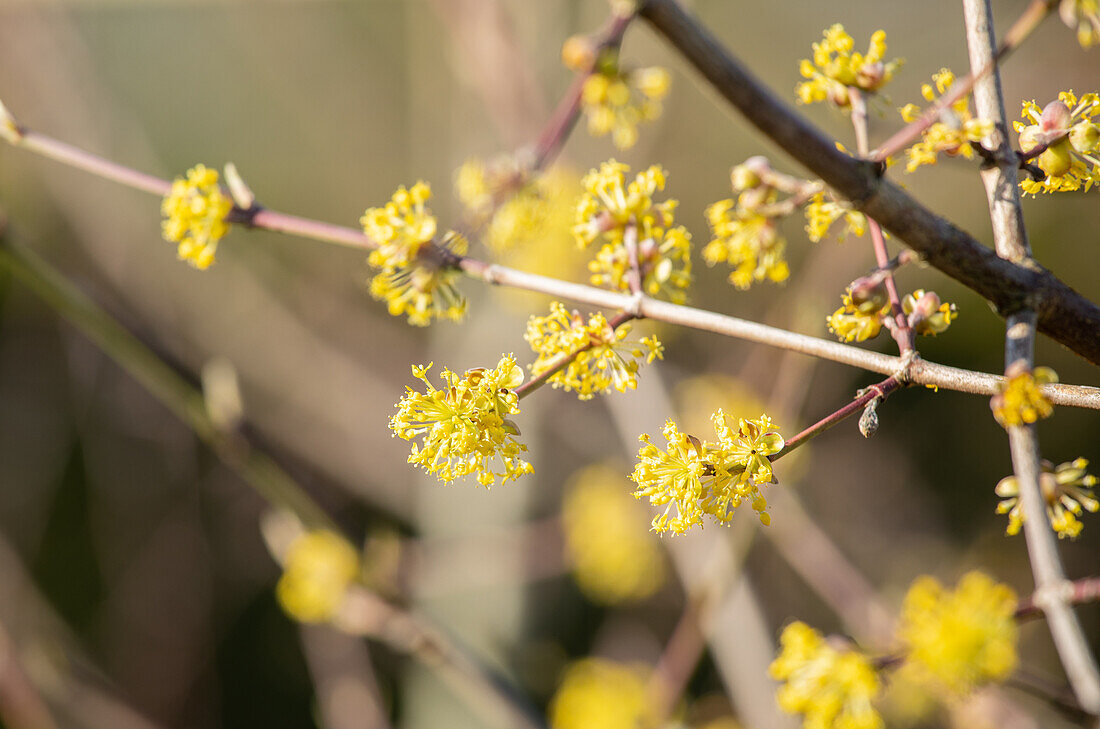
(879, 391)
(1010, 240)
(1064, 314)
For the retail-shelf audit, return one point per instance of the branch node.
(1056, 593)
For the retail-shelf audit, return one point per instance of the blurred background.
(135, 585)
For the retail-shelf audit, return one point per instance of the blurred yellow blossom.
(1084, 17)
(926, 314)
(860, 317)
(749, 242)
(615, 557)
(606, 357)
(319, 567)
(830, 687)
(464, 426)
(835, 68)
(194, 212)
(617, 100)
(821, 214)
(598, 693)
(619, 216)
(703, 477)
(414, 279)
(962, 638)
(1067, 491)
(1019, 400)
(953, 133)
(1071, 159)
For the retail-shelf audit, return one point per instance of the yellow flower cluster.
(835, 68)
(605, 357)
(616, 100)
(410, 282)
(703, 477)
(749, 242)
(926, 314)
(194, 215)
(962, 638)
(953, 133)
(595, 692)
(1084, 17)
(464, 426)
(860, 317)
(319, 568)
(830, 687)
(612, 212)
(1071, 160)
(1020, 400)
(821, 214)
(1067, 491)
(615, 558)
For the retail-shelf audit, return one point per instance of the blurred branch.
(1063, 314)
(920, 372)
(21, 706)
(1010, 240)
(343, 679)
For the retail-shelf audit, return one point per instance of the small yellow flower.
(952, 134)
(606, 359)
(194, 213)
(1067, 491)
(1020, 400)
(747, 241)
(320, 566)
(609, 208)
(464, 426)
(409, 281)
(859, 319)
(820, 216)
(616, 100)
(831, 688)
(1084, 17)
(615, 557)
(927, 315)
(595, 692)
(962, 638)
(1071, 160)
(835, 68)
(699, 477)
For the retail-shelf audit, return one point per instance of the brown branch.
(1063, 314)
(1010, 239)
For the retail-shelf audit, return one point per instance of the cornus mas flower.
(822, 213)
(927, 315)
(617, 100)
(835, 68)
(464, 427)
(319, 568)
(962, 638)
(596, 692)
(1084, 17)
(1020, 400)
(707, 478)
(618, 216)
(194, 215)
(953, 133)
(615, 558)
(605, 358)
(832, 688)
(749, 242)
(1071, 159)
(1067, 491)
(413, 280)
(861, 315)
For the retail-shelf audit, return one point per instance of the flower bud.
(1057, 159)
(653, 82)
(1056, 117)
(868, 293)
(1029, 138)
(1085, 137)
(871, 75)
(577, 53)
(750, 173)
